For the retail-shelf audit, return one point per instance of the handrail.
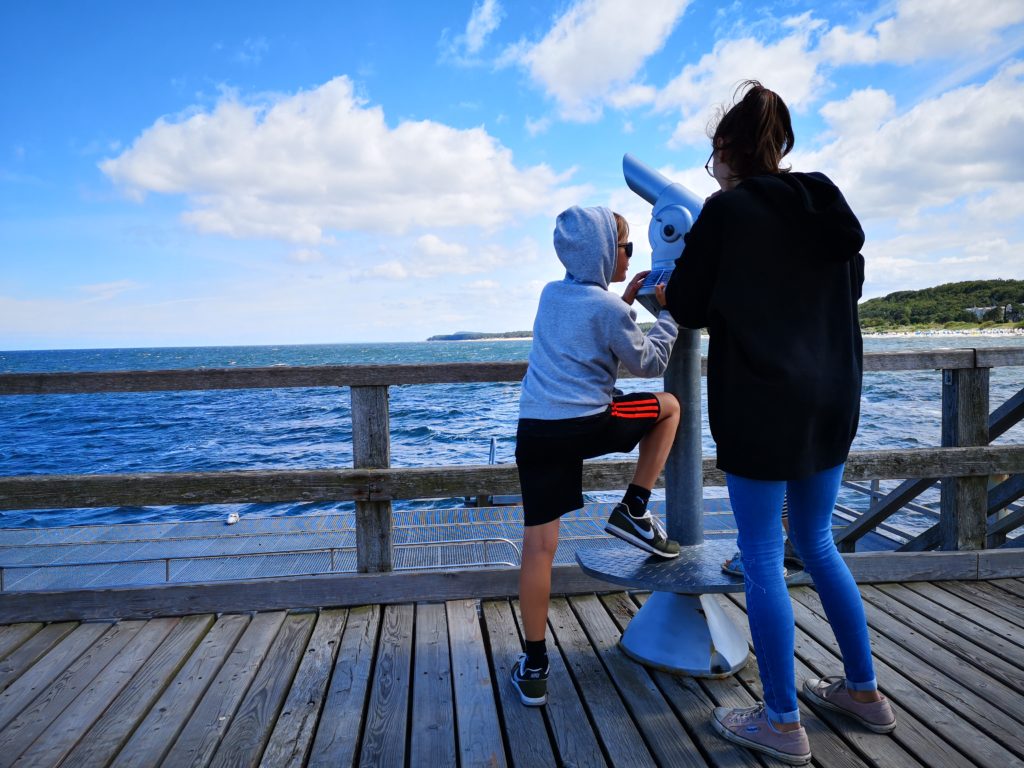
(332, 485)
(180, 380)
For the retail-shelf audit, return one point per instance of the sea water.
(311, 428)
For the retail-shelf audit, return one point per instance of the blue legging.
(757, 506)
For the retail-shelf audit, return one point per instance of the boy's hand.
(633, 287)
(659, 294)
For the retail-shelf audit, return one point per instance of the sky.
(196, 173)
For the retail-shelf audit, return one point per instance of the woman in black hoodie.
(772, 268)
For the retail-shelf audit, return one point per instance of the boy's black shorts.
(550, 452)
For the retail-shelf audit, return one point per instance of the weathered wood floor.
(425, 685)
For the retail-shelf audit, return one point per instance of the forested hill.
(973, 301)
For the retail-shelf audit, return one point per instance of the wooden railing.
(965, 459)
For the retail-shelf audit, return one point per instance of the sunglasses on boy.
(629, 249)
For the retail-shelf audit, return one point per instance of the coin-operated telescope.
(675, 209)
(681, 628)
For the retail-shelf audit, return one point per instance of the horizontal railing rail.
(964, 462)
(261, 486)
(95, 382)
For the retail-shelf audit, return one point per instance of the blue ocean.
(311, 428)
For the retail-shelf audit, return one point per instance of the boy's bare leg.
(656, 444)
(539, 544)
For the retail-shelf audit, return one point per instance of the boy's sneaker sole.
(636, 541)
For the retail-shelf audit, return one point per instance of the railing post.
(964, 505)
(371, 449)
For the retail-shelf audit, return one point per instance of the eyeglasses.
(629, 249)
(707, 165)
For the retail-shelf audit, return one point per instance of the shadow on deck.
(426, 685)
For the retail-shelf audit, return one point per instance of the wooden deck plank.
(19, 732)
(574, 737)
(1005, 629)
(977, 679)
(292, 737)
(152, 738)
(975, 635)
(22, 691)
(384, 734)
(992, 599)
(667, 741)
(12, 636)
(479, 732)
(341, 722)
(528, 741)
(210, 720)
(63, 733)
(34, 648)
(432, 741)
(612, 722)
(251, 726)
(1013, 586)
(830, 745)
(110, 732)
(912, 693)
(964, 649)
(820, 652)
(691, 705)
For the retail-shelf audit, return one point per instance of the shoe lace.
(748, 714)
(834, 683)
(656, 525)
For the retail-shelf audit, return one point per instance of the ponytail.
(755, 133)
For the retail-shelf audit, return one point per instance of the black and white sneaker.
(643, 532)
(531, 684)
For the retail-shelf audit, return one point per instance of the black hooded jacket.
(773, 270)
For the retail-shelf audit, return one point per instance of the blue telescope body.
(674, 209)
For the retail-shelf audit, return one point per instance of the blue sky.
(249, 173)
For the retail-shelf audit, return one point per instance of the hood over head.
(586, 243)
(816, 209)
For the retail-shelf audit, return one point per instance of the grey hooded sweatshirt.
(582, 332)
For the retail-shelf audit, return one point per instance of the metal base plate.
(697, 570)
(685, 635)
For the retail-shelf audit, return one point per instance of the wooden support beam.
(998, 498)
(297, 592)
(371, 449)
(962, 520)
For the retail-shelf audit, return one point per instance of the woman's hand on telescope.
(633, 286)
(659, 294)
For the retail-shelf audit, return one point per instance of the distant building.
(979, 312)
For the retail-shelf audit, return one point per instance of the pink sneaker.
(751, 728)
(831, 693)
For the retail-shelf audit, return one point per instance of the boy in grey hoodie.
(569, 411)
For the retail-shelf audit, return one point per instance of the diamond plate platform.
(697, 570)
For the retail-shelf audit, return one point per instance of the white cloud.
(966, 142)
(595, 48)
(305, 256)
(538, 126)
(861, 112)
(322, 160)
(483, 21)
(433, 246)
(921, 29)
(789, 66)
(107, 291)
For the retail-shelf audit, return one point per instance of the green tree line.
(947, 303)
